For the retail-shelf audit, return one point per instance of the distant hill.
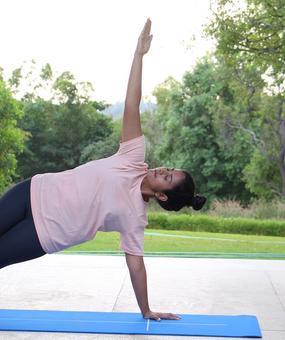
(116, 110)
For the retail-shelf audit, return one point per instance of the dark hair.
(182, 196)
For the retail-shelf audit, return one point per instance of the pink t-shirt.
(69, 207)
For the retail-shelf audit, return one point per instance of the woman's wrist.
(146, 313)
(139, 54)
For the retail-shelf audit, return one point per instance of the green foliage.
(11, 137)
(60, 135)
(105, 147)
(152, 129)
(252, 39)
(46, 72)
(215, 224)
(237, 115)
(186, 121)
(194, 133)
(16, 77)
(262, 177)
(62, 129)
(254, 33)
(65, 87)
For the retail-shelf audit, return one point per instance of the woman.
(53, 211)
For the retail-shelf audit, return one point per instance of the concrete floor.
(177, 285)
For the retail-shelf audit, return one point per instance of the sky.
(95, 39)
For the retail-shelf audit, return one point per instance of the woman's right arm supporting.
(139, 282)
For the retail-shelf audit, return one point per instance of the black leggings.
(18, 237)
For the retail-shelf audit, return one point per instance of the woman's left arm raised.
(131, 119)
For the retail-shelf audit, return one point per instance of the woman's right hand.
(145, 38)
(158, 316)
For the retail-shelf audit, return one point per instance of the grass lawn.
(199, 244)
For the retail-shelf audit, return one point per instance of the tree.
(104, 147)
(61, 119)
(254, 37)
(265, 173)
(78, 126)
(194, 138)
(11, 137)
(255, 33)
(153, 132)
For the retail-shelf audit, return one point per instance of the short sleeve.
(133, 242)
(133, 150)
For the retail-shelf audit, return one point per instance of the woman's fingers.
(145, 39)
(147, 27)
(169, 316)
(160, 316)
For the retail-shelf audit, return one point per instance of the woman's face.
(162, 178)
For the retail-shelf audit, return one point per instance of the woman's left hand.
(145, 38)
(158, 316)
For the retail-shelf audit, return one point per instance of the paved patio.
(177, 285)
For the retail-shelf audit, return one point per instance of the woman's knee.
(19, 244)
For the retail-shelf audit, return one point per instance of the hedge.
(214, 224)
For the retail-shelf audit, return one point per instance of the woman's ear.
(161, 196)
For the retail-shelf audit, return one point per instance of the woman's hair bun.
(198, 202)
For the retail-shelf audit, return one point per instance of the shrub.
(215, 224)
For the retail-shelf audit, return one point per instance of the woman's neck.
(146, 192)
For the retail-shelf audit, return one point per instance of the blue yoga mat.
(128, 323)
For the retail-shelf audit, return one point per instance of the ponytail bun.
(198, 202)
